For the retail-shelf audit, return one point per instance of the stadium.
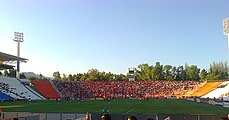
(119, 36)
(71, 100)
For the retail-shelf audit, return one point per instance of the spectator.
(132, 118)
(14, 119)
(88, 116)
(105, 117)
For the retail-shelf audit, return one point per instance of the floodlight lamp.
(226, 26)
(18, 37)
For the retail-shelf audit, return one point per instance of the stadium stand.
(124, 89)
(25, 81)
(45, 88)
(4, 97)
(27, 84)
(205, 89)
(222, 89)
(58, 92)
(225, 97)
(14, 88)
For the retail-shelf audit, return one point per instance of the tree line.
(146, 72)
(91, 75)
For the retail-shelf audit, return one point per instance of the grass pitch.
(120, 106)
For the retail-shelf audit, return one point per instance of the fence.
(96, 116)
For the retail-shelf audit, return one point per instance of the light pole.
(18, 37)
(226, 29)
(226, 32)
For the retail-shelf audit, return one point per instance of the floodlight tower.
(226, 28)
(18, 37)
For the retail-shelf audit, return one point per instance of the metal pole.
(228, 41)
(18, 37)
(18, 55)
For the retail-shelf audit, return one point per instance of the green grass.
(122, 106)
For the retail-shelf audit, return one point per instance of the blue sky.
(73, 36)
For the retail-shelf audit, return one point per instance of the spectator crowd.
(124, 89)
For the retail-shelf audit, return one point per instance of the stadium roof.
(10, 58)
(5, 66)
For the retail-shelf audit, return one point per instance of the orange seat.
(45, 88)
(205, 89)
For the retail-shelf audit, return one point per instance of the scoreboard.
(131, 74)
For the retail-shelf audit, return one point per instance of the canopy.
(7, 58)
(11, 58)
(5, 66)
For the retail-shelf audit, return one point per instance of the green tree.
(78, 76)
(180, 73)
(109, 76)
(143, 72)
(84, 77)
(218, 71)
(119, 77)
(174, 74)
(192, 72)
(168, 72)
(74, 77)
(203, 74)
(64, 77)
(33, 78)
(106, 76)
(56, 75)
(22, 76)
(70, 77)
(157, 72)
(93, 74)
(183, 73)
